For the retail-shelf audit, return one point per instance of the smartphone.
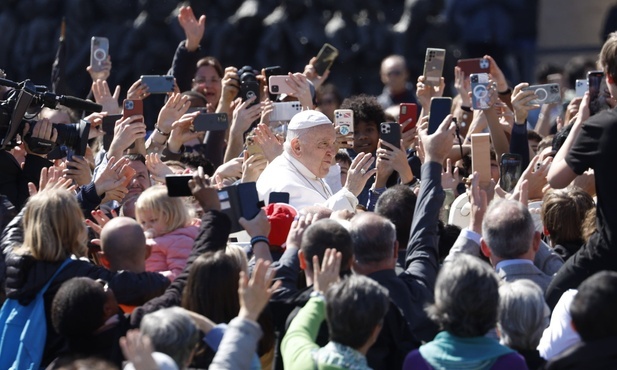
(408, 111)
(440, 108)
(479, 91)
(278, 197)
(475, 65)
(273, 71)
(390, 132)
(343, 118)
(99, 49)
(158, 84)
(132, 107)
(128, 172)
(326, 56)
(178, 185)
(481, 157)
(284, 111)
(210, 121)
(598, 92)
(248, 89)
(581, 88)
(278, 85)
(240, 200)
(546, 94)
(433, 66)
(510, 169)
(109, 124)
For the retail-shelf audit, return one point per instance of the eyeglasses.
(396, 72)
(203, 81)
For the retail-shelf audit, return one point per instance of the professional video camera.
(21, 105)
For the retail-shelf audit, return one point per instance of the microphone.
(80, 104)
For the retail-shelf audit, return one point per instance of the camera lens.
(129, 105)
(275, 88)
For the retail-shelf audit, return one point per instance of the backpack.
(24, 331)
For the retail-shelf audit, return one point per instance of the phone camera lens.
(275, 88)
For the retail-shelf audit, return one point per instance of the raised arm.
(421, 261)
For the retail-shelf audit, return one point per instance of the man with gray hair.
(376, 250)
(173, 333)
(510, 241)
(308, 153)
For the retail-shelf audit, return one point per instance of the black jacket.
(593, 355)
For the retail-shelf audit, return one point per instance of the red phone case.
(134, 107)
(407, 111)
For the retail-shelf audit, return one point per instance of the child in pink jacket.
(170, 230)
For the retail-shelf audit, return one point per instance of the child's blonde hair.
(172, 211)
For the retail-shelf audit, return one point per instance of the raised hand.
(203, 191)
(158, 170)
(102, 95)
(359, 172)
(256, 292)
(176, 106)
(328, 273)
(269, 143)
(193, 28)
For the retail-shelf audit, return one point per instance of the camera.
(275, 89)
(129, 105)
(247, 74)
(24, 102)
(484, 63)
(385, 129)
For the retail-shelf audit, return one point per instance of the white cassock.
(287, 174)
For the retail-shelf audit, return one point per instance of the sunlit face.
(365, 137)
(394, 74)
(317, 149)
(208, 82)
(141, 180)
(152, 222)
(344, 169)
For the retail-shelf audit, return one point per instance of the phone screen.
(510, 171)
(598, 92)
(440, 108)
(325, 58)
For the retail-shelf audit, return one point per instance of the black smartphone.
(510, 169)
(273, 71)
(598, 92)
(248, 89)
(390, 132)
(327, 55)
(178, 185)
(210, 121)
(278, 197)
(440, 108)
(109, 124)
(240, 200)
(158, 84)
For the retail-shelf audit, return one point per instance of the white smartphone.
(581, 87)
(343, 118)
(284, 111)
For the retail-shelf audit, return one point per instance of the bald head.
(508, 229)
(124, 244)
(394, 73)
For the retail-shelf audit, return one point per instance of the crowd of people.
(365, 254)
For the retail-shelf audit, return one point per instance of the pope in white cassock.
(308, 153)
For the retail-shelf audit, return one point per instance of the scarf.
(447, 351)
